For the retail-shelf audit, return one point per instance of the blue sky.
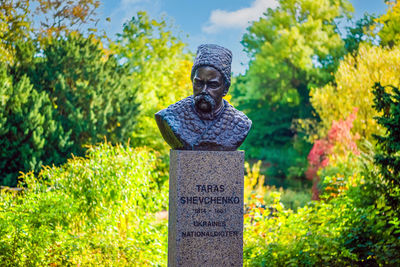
(208, 21)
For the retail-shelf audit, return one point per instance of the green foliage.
(54, 18)
(61, 91)
(387, 101)
(90, 91)
(255, 189)
(294, 200)
(292, 48)
(308, 237)
(348, 227)
(372, 231)
(356, 221)
(351, 89)
(273, 139)
(71, 96)
(390, 25)
(29, 134)
(14, 27)
(361, 32)
(97, 210)
(284, 44)
(159, 68)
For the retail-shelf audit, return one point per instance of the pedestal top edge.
(175, 151)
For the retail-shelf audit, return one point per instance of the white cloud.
(222, 19)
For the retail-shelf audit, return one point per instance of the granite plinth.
(205, 208)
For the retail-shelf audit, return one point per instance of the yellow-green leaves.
(390, 32)
(159, 69)
(294, 40)
(292, 48)
(92, 211)
(14, 27)
(353, 88)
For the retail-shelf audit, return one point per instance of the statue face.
(208, 88)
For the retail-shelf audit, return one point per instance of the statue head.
(211, 76)
(205, 121)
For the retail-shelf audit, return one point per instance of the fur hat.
(217, 57)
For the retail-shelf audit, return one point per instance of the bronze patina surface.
(204, 120)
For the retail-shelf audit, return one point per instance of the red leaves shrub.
(339, 142)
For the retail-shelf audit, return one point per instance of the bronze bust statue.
(204, 120)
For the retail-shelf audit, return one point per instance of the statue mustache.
(206, 98)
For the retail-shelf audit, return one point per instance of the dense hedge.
(97, 210)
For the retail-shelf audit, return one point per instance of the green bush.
(352, 225)
(295, 199)
(311, 236)
(97, 210)
(29, 134)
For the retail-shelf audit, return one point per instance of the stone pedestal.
(205, 208)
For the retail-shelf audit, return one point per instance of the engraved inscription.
(210, 234)
(210, 194)
(210, 188)
(209, 224)
(195, 200)
(205, 224)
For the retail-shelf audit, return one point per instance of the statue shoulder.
(175, 111)
(237, 119)
(236, 126)
(171, 121)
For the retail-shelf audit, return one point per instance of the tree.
(14, 27)
(390, 23)
(362, 31)
(292, 48)
(387, 182)
(387, 101)
(159, 69)
(63, 17)
(55, 104)
(53, 18)
(62, 90)
(352, 88)
(90, 91)
(29, 134)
